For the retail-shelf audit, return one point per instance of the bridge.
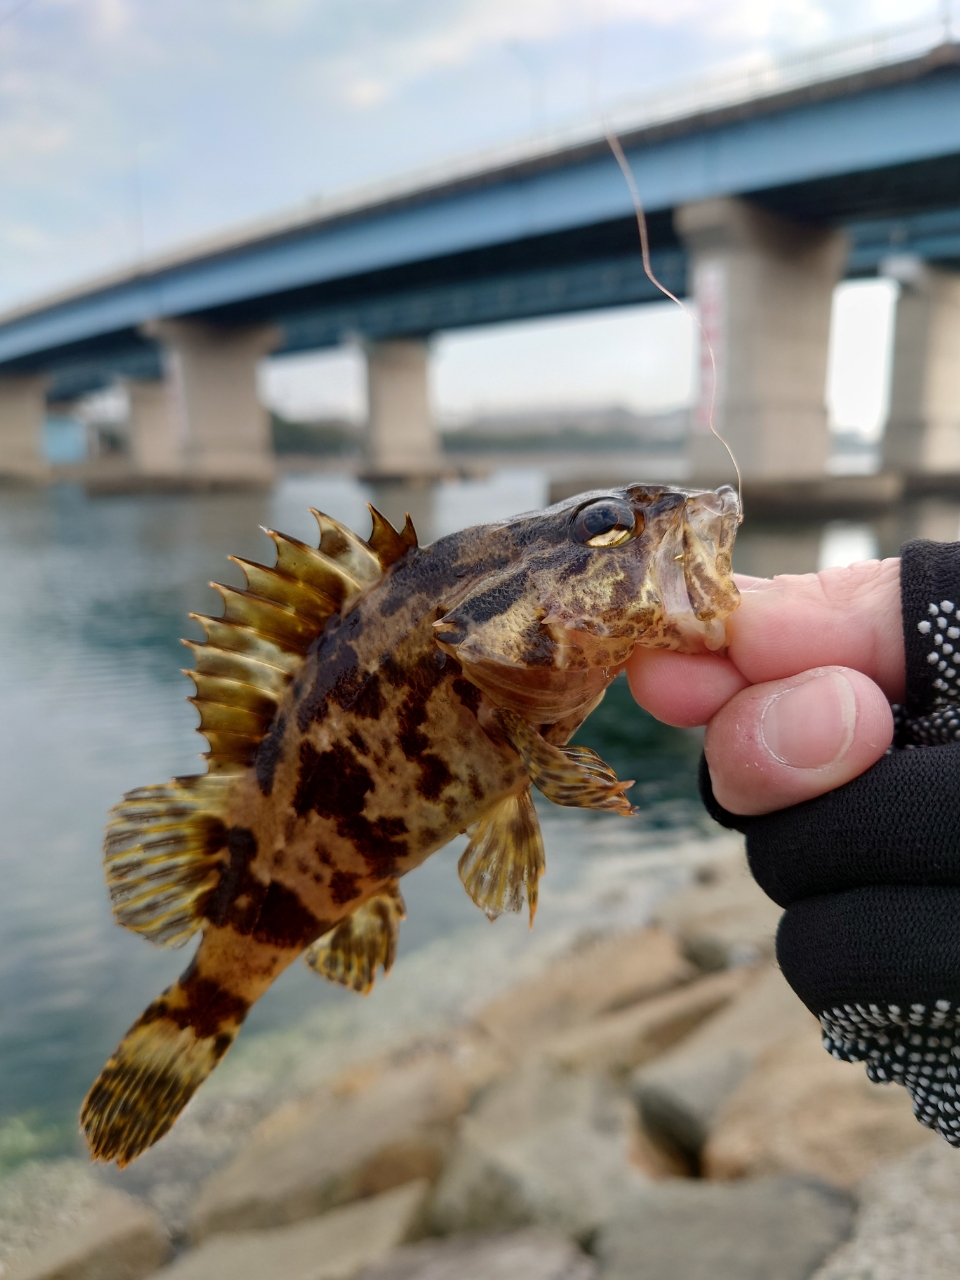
(763, 189)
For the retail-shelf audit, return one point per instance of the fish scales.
(414, 694)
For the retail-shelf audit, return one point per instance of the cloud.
(374, 48)
(22, 236)
(207, 114)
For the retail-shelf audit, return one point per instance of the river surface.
(94, 597)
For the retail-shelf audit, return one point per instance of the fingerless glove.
(869, 874)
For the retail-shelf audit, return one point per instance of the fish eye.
(606, 523)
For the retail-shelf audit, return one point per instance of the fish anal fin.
(504, 860)
(353, 950)
(163, 850)
(575, 777)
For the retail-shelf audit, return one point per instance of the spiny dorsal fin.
(388, 544)
(253, 651)
(165, 845)
(339, 543)
(162, 853)
(409, 534)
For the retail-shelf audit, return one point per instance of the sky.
(129, 126)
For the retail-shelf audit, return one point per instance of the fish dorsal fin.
(342, 545)
(252, 652)
(165, 845)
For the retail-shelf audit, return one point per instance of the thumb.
(778, 743)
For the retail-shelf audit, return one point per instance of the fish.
(364, 702)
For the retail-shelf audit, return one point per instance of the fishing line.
(614, 143)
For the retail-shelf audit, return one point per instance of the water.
(94, 593)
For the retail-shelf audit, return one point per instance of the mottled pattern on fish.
(364, 705)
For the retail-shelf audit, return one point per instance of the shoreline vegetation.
(631, 1092)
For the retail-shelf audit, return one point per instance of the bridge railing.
(767, 76)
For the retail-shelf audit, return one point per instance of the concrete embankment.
(638, 1097)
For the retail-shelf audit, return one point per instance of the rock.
(908, 1227)
(102, 1235)
(391, 1127)
(522, 1255)
(606, 975)
(802, 1111)
(771, 1229)
(680, 1093)
(332, 1247)
(724, 918)
(620, 1041)
(542, 1147)
(41, 1196)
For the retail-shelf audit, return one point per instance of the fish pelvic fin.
(575, 777)
(158, 1067)
(503, 863)
(163, 852)
(353, 950)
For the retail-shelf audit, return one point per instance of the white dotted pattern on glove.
(941, 626)
(918, 1047)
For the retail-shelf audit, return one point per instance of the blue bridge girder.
(876, 153)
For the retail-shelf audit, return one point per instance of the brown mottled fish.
(364, 703)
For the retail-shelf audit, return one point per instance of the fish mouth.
(693, 570)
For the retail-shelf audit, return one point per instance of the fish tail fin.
(158, 1067)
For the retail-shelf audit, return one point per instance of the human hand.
(800, 703)
(867, 867)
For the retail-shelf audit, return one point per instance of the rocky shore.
(636, 1095)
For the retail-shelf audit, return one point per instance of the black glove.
(869, 874)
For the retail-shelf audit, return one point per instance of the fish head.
(584, 582)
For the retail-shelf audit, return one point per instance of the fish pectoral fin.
(352, 950)
(572, 776)
(504, 860)
(163, 853)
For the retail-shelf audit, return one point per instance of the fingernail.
(812, 724)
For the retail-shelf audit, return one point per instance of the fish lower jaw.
(685, 633)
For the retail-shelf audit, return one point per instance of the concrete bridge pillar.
(203, 422)
(764, 287)
(23, 410)
(156, 428)
(401, 438)
(923, 429)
